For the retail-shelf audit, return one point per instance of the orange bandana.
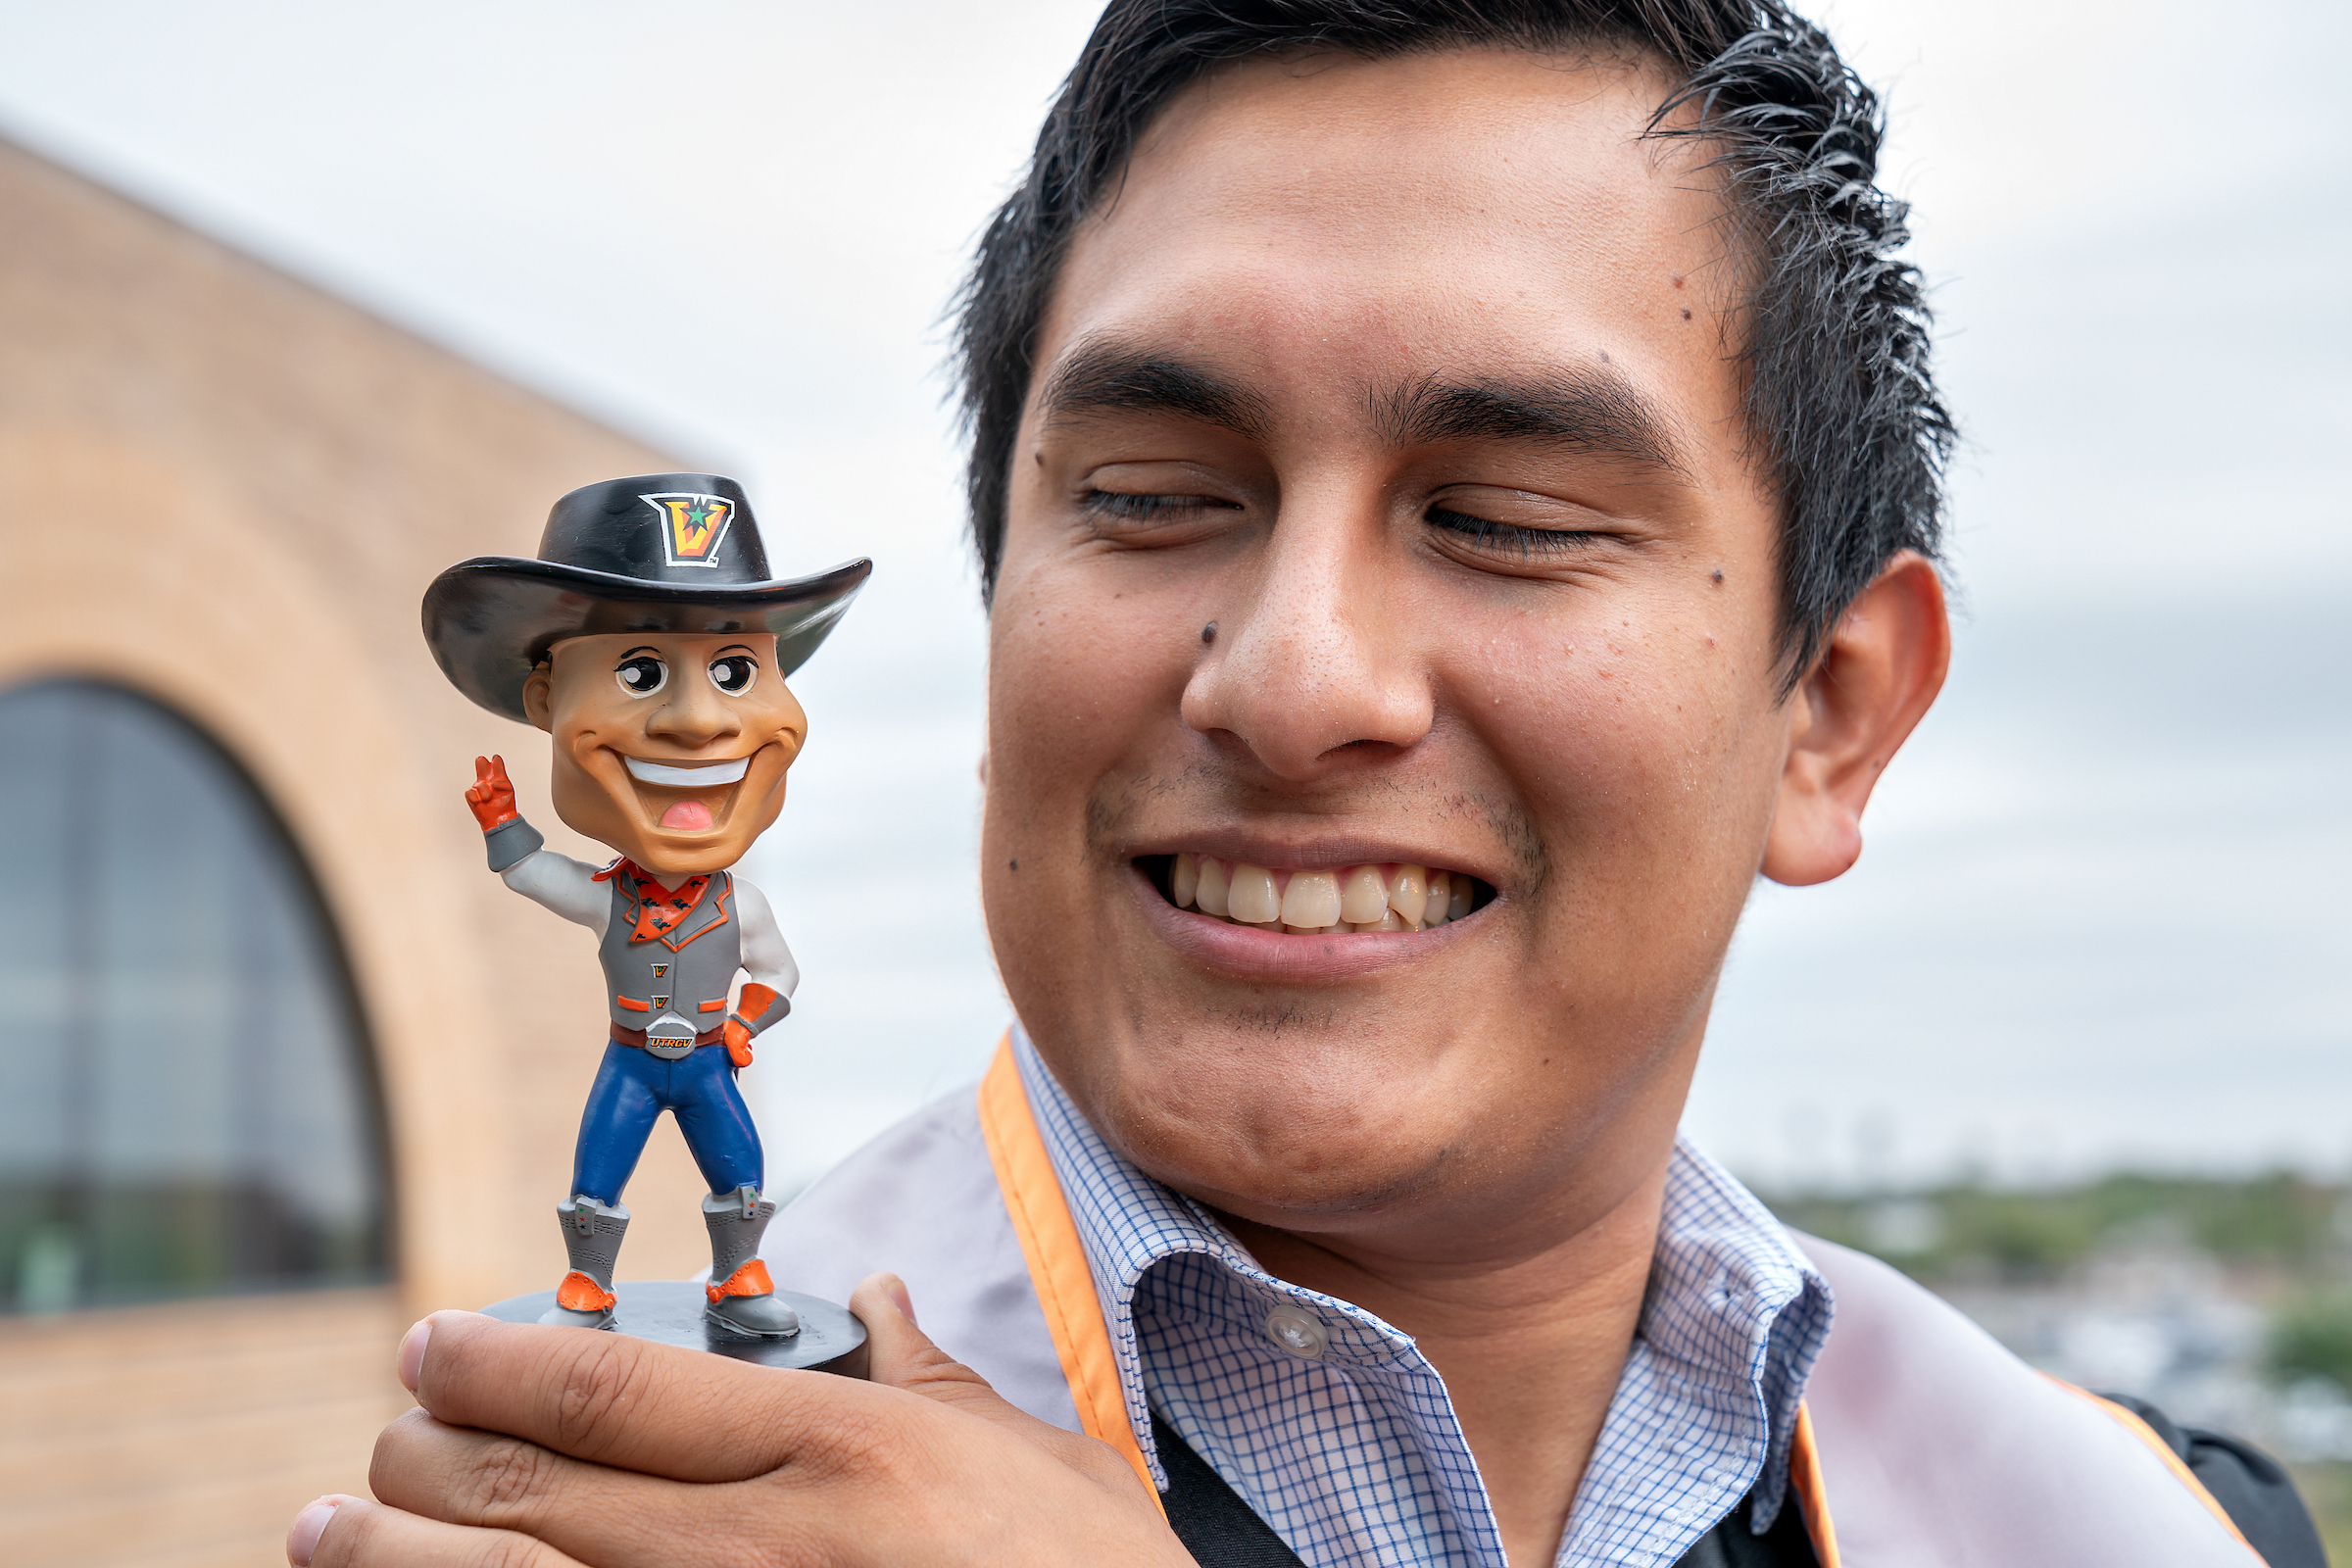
(659, 909)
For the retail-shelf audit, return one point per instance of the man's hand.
(491, 794)
(547, 1447)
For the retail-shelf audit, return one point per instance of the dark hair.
(1841, 409)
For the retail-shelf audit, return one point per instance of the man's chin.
(1273, 1137)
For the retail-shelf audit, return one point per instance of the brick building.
(284, 1067)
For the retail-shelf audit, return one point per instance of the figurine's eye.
(641, 676)
(734, 674)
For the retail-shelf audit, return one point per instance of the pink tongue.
(687, 816)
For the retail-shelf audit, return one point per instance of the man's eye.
(734, 674)
(641, 676)
(1141, 508)
(1489, 534)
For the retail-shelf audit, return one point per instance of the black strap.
(1732, 1544)
(1209, 1517)
(2258, 1496)
(1221, 1531)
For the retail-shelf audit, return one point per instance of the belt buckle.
(670, 1039)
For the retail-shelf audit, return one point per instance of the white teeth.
(1364, 899)
(1251, 899)
(1211, 896)
(691, 777)
(1311, 902)
(1320, 902)
(1408, 893)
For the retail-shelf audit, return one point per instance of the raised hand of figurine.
(492, 793)
(547, 1447)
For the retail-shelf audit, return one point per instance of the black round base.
(670, 1312)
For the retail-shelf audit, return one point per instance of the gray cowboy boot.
(592, 1234)
(740, 1294)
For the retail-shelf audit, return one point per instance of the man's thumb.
(901, 1355)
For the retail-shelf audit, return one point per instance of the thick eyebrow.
(632, 652)
(1588, 411)
(1104, 376)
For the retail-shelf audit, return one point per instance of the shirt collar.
(1732, 1319)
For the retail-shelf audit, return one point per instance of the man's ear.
(1882, 668)
(538, 697)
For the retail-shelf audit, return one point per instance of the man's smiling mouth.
(1324, 901)
(688, 776)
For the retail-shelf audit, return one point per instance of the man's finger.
(617, 1400)
(360, 1534)
(459, 1477)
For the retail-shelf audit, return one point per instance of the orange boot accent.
(580, 1294)
(750, 1280)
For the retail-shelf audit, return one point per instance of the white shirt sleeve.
(563, 885)
(765, 957)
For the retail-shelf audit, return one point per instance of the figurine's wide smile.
(688, 776)
(686, 796)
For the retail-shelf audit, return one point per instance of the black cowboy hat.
(660, 553)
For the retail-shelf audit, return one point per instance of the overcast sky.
(2102, 916)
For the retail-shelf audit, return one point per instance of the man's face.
(672, 749)
(1381, 500)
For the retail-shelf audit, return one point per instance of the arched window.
(187, 1100)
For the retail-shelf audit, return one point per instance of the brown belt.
(625, 1036)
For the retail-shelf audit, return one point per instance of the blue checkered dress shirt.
(1354, 1455)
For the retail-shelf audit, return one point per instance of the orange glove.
(491, 795)
(755, 1001)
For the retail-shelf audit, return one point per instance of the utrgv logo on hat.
(692, 525)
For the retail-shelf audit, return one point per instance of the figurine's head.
(649, 638)
(670, 748)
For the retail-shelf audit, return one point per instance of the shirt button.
(1295, 1332)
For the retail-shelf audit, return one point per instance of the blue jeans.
(633, 1087)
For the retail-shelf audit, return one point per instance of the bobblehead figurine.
(649, 641)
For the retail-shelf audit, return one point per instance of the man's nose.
(1314, 660)
(695, 714)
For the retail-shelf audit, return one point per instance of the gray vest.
(673, 986)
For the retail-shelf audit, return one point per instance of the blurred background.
(301, 303)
